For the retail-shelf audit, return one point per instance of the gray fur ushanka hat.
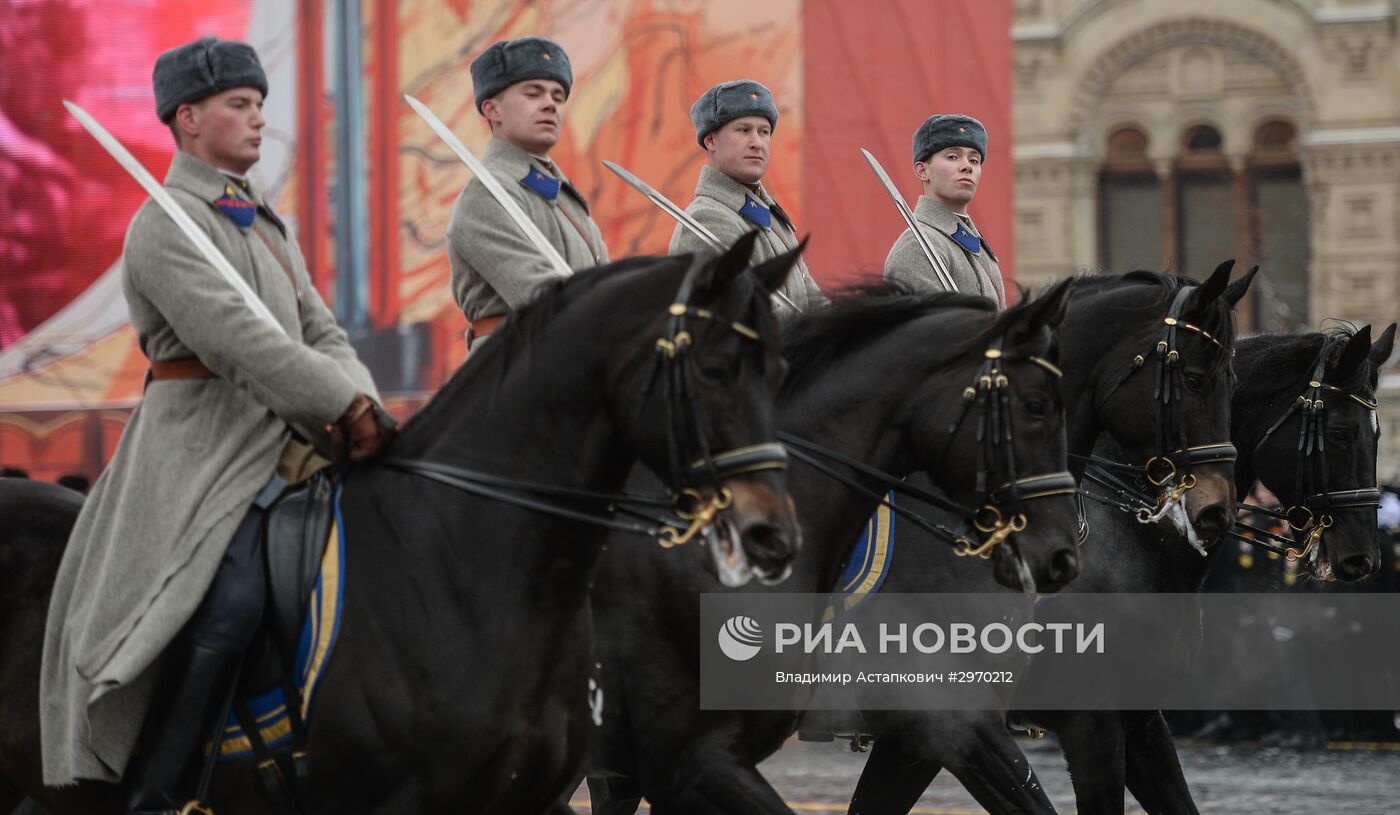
(198, 70)
(949, 130)
(728, 101)
(510, 61)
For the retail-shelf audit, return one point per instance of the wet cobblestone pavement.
(1225, 780)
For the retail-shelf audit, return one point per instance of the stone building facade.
(1173, 134)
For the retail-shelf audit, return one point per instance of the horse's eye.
(1194, 382)
(713, 371)
(1036, 408)
(1340, 435)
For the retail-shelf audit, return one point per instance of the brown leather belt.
(483, 326)
(182, 368)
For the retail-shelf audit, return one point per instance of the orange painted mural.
(369, 189)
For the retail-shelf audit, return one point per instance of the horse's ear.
(1381, 348)
(774, 273)
(1356, 352)
(1234, 292)
(1214, 286)
(1054, 302)
(730, 264)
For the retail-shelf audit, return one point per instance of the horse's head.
(1319, 456)
(697, 408)
(992, 425)
(1161, 386)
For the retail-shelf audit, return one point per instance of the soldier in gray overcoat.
(522, 88)
(734, 124)
(949, 151)
(162, 580)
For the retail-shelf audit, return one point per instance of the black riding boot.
(198, 682)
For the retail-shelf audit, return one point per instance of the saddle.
(284, 660)
(295, 533)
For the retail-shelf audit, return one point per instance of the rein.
(997, 513)
(1149, 491)
(697, 494)
(1313, 516)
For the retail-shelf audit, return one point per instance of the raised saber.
(682, 217)
(176, 212)
(527, 226)
(908, 216)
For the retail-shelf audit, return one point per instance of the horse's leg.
(985, 758)
(717, 783)
(973, 745)
(1093, 743)
(894, 777)
(614, 796)
(1153, 770)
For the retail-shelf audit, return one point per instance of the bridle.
(1168, 472)
(697, 474)
(1312, 516)
(997, 511)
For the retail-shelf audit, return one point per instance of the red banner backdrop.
(872, 74)
(845, 75)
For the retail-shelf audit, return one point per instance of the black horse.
(1107, 749)
(1108, 320)
(878, 379)
(460, 679)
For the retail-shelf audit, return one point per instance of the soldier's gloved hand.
(363, 430)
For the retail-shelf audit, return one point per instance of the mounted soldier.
(734, 124)
(522, 88)
(949, 151)
(162, 586)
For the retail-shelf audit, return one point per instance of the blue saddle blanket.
(869, 564)
(318, 636)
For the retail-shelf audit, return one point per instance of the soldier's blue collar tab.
(240, 210)
(756, 212)
(541, 183)
(967, 240)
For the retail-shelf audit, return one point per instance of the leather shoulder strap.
(281, 261)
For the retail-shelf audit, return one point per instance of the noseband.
(997, 512)
(697, 474)
(1169, 471)
(1312, 516)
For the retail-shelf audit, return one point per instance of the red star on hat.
(962, 130)
(754, 96)
(547, 56)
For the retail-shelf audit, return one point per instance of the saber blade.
(176, 212)
(682, 217)
(527, 226)
(908, 215)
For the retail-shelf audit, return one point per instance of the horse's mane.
(1291, 355)
(509, 347)
(1216, 319)
(860, 313)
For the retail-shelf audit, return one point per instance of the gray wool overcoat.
(190, 462)
(495, 268)
(973, 273)
(718, 203)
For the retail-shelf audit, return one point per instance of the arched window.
(1205, 233)
(1128, 205)
(1206, 211)
(1203, 139)
(1282, 223)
